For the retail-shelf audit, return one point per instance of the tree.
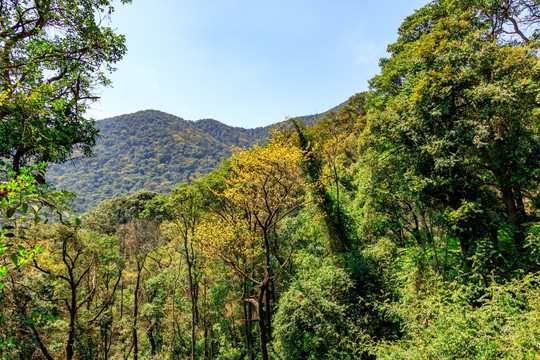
(121, 210)
(329, 148)
(336, 135)
(140, 237)
(24, 202)
(186, 212)
(54, 53)
(264, 186)
(455, 108)
(61, 281)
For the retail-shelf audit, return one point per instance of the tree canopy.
(455, 107)
(54, 54)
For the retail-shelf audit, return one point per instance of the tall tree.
(186, 211)
(62, 281)
(54, 53)
(140, 237)
(330, 146)
(456, 108)
(264, 186)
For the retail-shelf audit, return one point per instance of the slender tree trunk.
(207, 353)
(150, 333)
(268, 314)
(247, 322)
(193, 298)
(336, 181)
(106, 341)
(515, 218)
(122, 299)
(136, 313)
(72, 306)
(262, 320)
(193, 305)
(42, 347)
(72, 316)
(263, 289)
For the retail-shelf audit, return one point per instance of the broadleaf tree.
(54, 54)
(264, 186)
(455, 107)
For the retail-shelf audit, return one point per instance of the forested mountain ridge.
(152, 150)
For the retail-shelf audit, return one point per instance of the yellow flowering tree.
(264, 185)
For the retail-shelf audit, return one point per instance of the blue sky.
(248, 63)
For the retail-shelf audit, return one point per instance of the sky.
(247, 63)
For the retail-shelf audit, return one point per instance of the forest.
(151, 150)
(404, 225)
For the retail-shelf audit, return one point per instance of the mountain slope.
(151, 150)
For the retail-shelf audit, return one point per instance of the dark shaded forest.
(402, 225)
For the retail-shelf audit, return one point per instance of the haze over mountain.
(152, 150)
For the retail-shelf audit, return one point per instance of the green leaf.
(10, 212)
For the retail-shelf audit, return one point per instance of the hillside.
(151, 150)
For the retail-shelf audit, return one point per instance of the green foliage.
(121, 210)
(452, 132)
(329, 145)
(445, 324)
(25, 202)
(152, 150)
(54, 54)
(311, 320)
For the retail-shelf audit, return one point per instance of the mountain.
(152, 150)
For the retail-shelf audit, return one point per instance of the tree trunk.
(521, 215)
(150, 333)
(122, 299)
(514, 217)
(72, 314)
(247, 324)
(42, 347)
(135, 314)
(207, 353)
(192, 296)
(262, 325)
(193, 306)
(268, 314)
